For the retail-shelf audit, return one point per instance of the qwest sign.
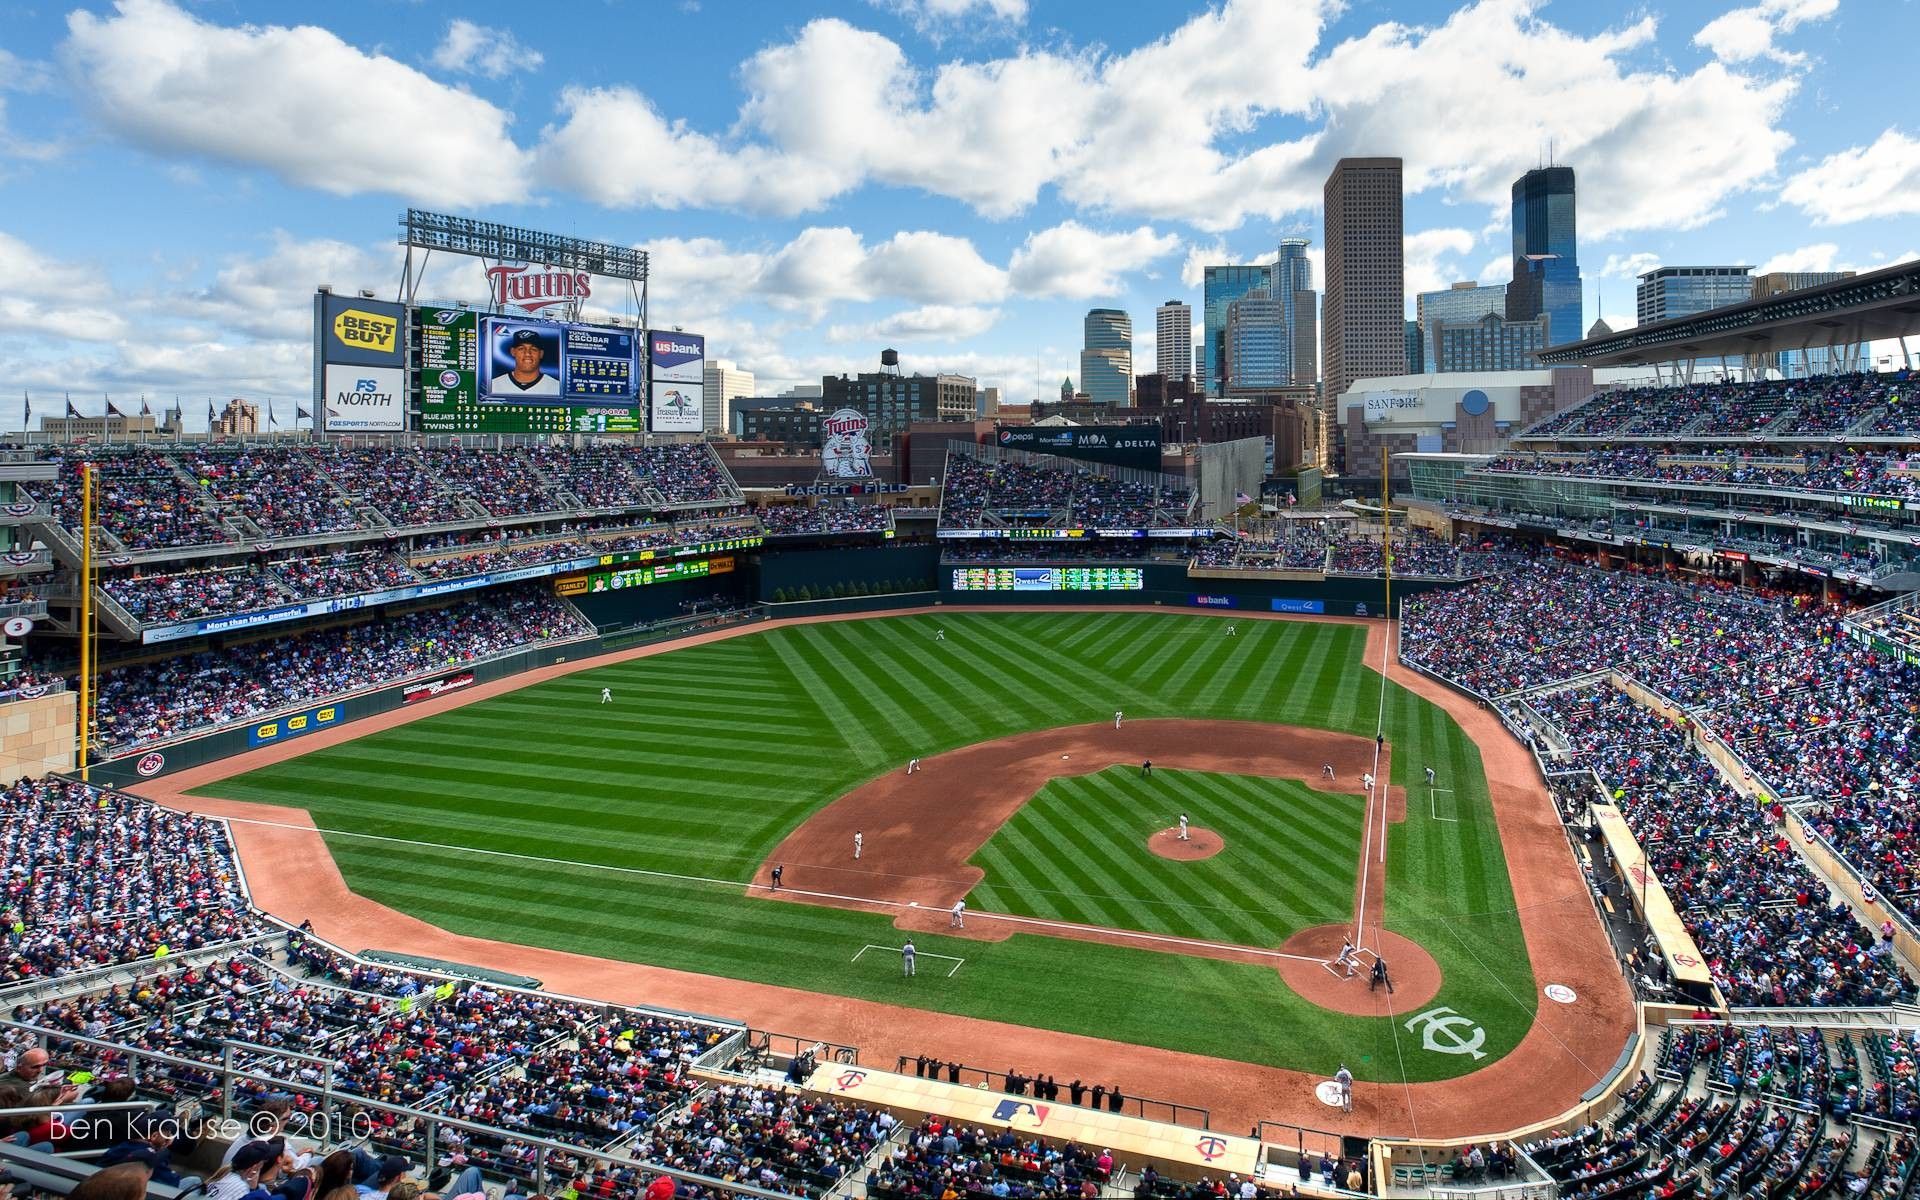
(523, 287)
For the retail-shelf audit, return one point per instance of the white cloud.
(1427, 253)
(1819, 257)
(296, 101)
(934, 15)
(1860, 183)
(1743, 34)
(483, 50)
(1193, 268)
(1629, 266)
(1074, 261)
(50, 298)
(929, 323)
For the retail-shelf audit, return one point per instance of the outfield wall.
(149, 763)
(887, 568)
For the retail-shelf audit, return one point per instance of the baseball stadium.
(540, 798)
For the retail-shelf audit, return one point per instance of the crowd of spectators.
(451, 556)
(155, 701)
(1810, 713)
(938, 1158)
(177, 495)
(186, 595)
(1828, 404)
(94, 878)
(1345, 548)
(825, 518)
(977, 493)
(1816, 472)
(800, 1145)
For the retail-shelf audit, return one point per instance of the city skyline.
(947, 178)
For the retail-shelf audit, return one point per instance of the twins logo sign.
(1441, 1034)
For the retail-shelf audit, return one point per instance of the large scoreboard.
(476, 373)
(1048, 579)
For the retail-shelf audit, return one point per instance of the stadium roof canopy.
(1879, 305)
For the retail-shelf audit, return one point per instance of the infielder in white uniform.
(1116, 718)
(913, 764)
(1183, 828)
(958, 918)
(859, 840)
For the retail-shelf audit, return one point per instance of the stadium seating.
(156, 701)
(1829, 404)
(825, 518)
(976, 493)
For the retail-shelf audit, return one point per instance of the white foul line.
(1035, 922)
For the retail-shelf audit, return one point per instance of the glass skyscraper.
(1259, 350)
(1222, 286)
(1106, 361)
(1546, 261)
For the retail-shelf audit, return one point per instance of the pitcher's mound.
(1416, 977)
(1200, 843)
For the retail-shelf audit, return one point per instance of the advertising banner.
(365, 399)
(1048, 579)
(1386, 406)
(555, 379)
(677, 357)
(413, 693)
(293, 725)
(1136, 446)
(359, 332)
(1299, 606)
(677, 407)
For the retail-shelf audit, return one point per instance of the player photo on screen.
(523, 360)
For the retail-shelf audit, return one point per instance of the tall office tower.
(1220, 288)
(1546, 261)
(1173, 339)
(1106, 362)
(1362, 319)
(1259, 348)
(1670, 292)
(725, 383)
(1459, 303)
(1292, 287)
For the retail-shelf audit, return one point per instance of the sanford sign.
(519, 286)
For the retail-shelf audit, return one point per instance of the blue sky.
(960, 179)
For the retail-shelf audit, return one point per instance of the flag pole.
(86, 615)
(1386, 538)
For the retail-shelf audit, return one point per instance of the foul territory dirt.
(1568, 1048)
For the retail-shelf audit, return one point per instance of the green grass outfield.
(712, 754)
(1291, 857)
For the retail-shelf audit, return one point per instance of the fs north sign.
(532, 290)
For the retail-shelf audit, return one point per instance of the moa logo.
(363, 330)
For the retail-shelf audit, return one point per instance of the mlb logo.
(365, 385)
(1015, 1110)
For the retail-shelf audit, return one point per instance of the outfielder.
(1229, 631)
(606, 695)
(939, 635)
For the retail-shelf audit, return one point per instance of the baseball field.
(642, 829)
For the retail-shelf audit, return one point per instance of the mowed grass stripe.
(838, 717)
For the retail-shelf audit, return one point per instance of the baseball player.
(1346, 957)
(526, 350)
(1366, 781)
(907, 956)
(778, 871)
(913, 764)
(1229, 631)
(1146, 767)
(1327, 770)
(1430, 776)
(859, 840)
(606, 695)
(958, 918)
(1183, 828)
(1344, 1078)
(1116, 718)
(939, 635)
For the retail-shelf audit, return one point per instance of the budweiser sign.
(520, 286)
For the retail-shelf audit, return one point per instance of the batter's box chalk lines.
(957, 961)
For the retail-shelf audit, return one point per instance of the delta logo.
(362, 330)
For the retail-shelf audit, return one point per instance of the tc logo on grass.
(1440, 1033)
(1013, 1110)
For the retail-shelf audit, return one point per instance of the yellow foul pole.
(86, 615)
(1386, 532)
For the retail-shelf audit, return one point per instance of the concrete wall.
(37, 735)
